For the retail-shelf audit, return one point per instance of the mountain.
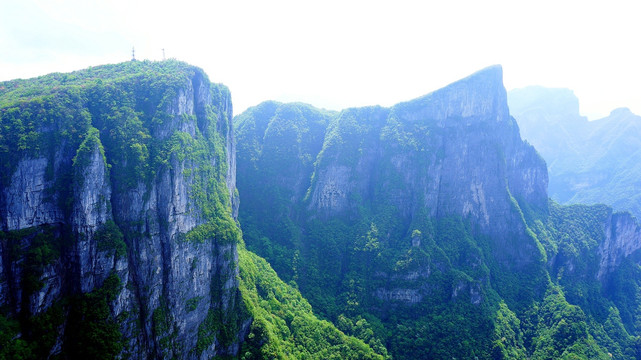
(589, 161)
(119, 238)
(423, 230)
(429, 224)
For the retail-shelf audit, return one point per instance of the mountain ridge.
(119, 238)
(428, 210)
(422, 230)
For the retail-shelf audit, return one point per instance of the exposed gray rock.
(409, 296)
(164, 277)
(51, 289)
(473, 163)
(331, 193)
(91, 209)
(468, 291)
(27, 201)
(622, 238)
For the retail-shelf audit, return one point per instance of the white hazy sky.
(338, 54)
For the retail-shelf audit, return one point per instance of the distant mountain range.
(588, 161)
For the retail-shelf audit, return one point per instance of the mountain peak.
(479, 95)
(490, 74)
(622, 111)
(531, 99)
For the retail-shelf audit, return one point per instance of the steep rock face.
(479, 97)
(26, 201)
(622, 238)
(406, 213)
(348, 160)
(280, 143)
(91, 209)
(430, 221)
(283, 140)
(454, 152)
(132, 196)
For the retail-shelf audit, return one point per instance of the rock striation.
(151, 164)
(454, 152)
(622, 239)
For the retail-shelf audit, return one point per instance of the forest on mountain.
(140, 220)
(384, 216)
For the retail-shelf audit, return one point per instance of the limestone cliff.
(456, 152)
(453, 153)
(622, 239)
(117, 172)
(431, 220)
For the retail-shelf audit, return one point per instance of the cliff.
(423, 229)
(119, 238)
(112, 174)
(429, 222)
(454, 152)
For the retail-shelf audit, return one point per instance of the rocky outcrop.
(95, 211)
(91, 210)
(320, 190)
(455, 152)
(26, 201)
(622, 238)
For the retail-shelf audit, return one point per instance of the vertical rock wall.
(169, 286)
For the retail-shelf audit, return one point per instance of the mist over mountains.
(140, 220)
(589, 162)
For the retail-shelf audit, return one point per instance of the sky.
(339, 54)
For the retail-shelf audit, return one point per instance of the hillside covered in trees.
(119, 240)
(430, 223)
(139, 220)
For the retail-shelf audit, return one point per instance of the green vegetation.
(85, 319)
(192, 304)
(223, 230)
(39, 334)
(110, 238)
(86, 148)
(284, 326)
(92, 331)
(39, 247)
(11, 346)
(388, 271)
(562, 331)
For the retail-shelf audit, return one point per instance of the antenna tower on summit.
(133, 54)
